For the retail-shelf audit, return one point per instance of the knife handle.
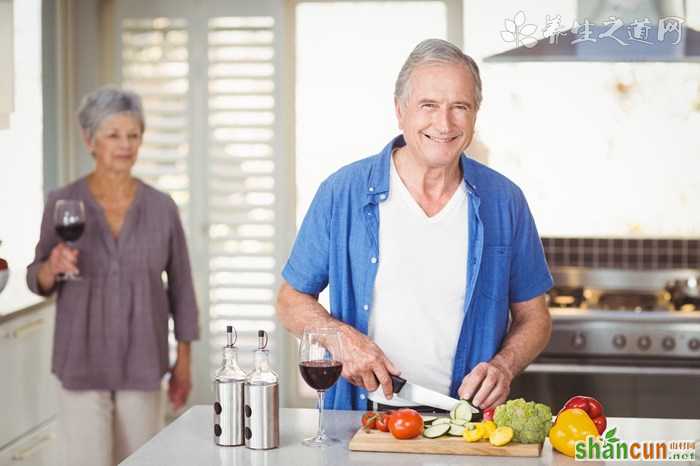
(397, 383)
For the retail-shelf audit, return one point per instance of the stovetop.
(622, 290)
(628, 314)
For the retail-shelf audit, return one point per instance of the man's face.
(437, 118)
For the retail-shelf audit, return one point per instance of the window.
(210, 80)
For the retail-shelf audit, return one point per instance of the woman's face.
(116, 143)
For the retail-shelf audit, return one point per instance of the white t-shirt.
(419, 292)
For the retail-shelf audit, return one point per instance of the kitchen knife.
(425, 396)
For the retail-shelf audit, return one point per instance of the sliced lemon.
(501, 436)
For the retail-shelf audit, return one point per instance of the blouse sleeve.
(48, 239)
(183, 304)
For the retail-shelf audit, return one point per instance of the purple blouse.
(112, 326)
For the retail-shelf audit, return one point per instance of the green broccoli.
(530, 421)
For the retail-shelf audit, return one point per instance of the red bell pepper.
(592, 407)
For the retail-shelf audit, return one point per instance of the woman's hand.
(180, 383)
(63, 259)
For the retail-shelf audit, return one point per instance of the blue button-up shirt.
(338, 245)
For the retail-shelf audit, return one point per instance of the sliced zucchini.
(436, 431)
(463, 411)
(458, 422)
(456, 430)
(428, 419)
(441, 420)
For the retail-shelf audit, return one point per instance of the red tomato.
(383, 421)
(405, 423)
(369, 420)
(488, 414)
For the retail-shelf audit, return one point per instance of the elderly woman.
(111, 338)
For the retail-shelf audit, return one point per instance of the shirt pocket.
(494, 276)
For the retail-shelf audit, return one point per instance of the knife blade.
(423, 396)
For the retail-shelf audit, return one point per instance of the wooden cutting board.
(376, 440)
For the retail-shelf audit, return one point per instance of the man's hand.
(489, 382)
(364, 363)
(487, 385)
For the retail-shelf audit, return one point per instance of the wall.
(600, 149)
(21, 197)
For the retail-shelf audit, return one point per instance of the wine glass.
(69, 221)
(320, 356)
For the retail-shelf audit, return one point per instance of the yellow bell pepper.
(489, 427)
(474, 433)
(571, 425)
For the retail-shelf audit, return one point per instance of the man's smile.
(443, 140)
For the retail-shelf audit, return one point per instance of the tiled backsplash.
(623, 253)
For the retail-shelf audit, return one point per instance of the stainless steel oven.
(629, 338)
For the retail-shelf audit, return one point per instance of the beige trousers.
(102, 428)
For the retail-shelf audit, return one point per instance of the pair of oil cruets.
(246, 409)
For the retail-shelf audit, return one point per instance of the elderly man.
(427, 254)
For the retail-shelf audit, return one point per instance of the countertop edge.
(5, 318)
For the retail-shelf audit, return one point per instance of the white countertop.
(189, 441)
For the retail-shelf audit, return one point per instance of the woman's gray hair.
(105, 102)
(432, 51)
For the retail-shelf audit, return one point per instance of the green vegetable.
(441, 420)
(436, 431)
(530, 421)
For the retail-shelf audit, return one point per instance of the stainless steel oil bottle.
(262, 427)
(229, 387)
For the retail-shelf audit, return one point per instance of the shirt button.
(371, 188)
(366, 307)
(373, 260)
(362, 397)
(382, 197)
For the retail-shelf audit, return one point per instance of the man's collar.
(378, 181)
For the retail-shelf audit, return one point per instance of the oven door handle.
(548, 368)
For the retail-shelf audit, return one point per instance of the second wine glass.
(320, 356)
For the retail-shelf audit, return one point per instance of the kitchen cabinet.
(7, 71)
(28, 394)
(189, 440)
(40, 447)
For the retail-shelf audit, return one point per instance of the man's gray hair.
(105, 102)
(432, 51)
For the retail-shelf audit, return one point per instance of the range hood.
(635, 35)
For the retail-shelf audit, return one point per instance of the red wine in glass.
(321, 375)
(70, 233)
(69, 222)
(320, 356)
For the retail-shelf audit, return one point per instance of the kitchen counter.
(9, 314)
(189, 441)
